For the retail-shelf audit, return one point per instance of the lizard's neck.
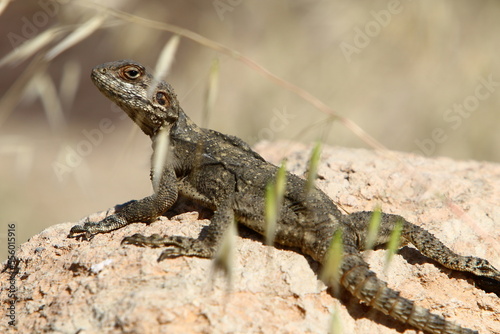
(184, 135)
(185, 140)
(185, 129)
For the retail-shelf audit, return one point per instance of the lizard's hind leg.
(431, 247)
(177, 245)
(204, 247)
(423, 240)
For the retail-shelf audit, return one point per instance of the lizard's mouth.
(104, 86)
(110, 87)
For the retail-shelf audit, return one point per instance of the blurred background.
(419, 76)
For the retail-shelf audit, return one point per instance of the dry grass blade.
(77, 36)
(166, 57)
(224, 259)
(305, 95)
(160, 156)
(69, 82)
(30, 47)
(3, 5)
(12, 96)
(164, 62)
(47, 92)
(211, 92)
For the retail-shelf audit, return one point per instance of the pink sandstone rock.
(70, 286)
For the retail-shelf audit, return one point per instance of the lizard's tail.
(363, 283)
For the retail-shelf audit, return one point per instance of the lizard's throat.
(148, 123)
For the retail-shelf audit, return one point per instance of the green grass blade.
(394, 242)
(275, 193)
(313, 167)
(225, 257)
(331, 270)
(335, 323)
(373, 228)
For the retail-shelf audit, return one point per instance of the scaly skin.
(224, 174)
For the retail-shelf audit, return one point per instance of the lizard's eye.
(131, 72)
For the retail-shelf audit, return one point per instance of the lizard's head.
(149, 102)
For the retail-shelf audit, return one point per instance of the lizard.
(222, 173)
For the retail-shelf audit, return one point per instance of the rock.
(70, 286)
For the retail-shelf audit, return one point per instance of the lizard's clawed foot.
(482, 267)
(170, 253)
(188, 247)
(81, 232)
(177, 245)
(88, 230)
(155, 240)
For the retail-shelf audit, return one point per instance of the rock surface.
(69, 286)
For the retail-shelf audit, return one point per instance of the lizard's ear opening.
(162, 99)
(167, 104)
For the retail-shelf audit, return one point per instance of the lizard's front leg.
(207, 245)
(144, 210)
